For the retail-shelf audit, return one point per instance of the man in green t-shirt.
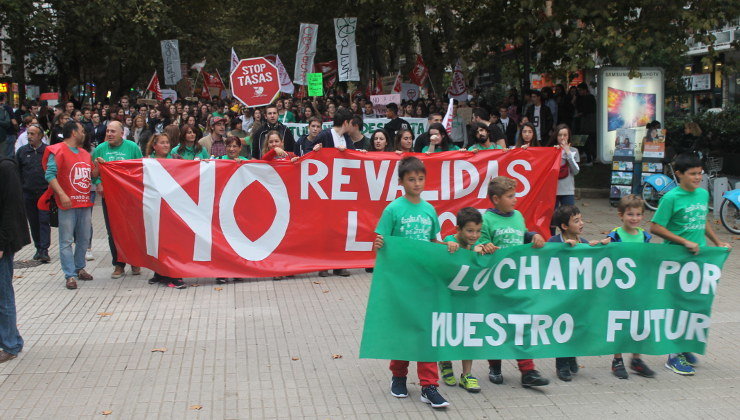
(681, 219)
(114, 148)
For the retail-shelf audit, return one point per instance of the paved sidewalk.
(265, 349)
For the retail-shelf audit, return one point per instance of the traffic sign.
(255, 82)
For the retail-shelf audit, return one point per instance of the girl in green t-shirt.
(439, 140)
(233, 149)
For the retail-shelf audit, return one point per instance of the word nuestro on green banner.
(426, 304)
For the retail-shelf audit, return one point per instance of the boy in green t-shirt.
(681, 219)
(412, 217)
(503, 226)
(629, 210)
(469, 224)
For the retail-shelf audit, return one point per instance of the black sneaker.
(177, 284)
(495, 376)
(37, 256)
(430, 395)
(533, 378)
(343, 272)
(398, 387)
(44, 256)
(573, 365)
(221, 280)
(368, 270)
(564, 374)
(324, 273)
(156, 278)
(641, 368)
(618, 369)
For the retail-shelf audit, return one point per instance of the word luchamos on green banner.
(315, 84)
(426, 304)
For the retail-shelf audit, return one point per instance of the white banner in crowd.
(306, 52)
(418, 126)
(410, 91)
(234, 60)
(171, 59)
(285, 84)
(346, 49)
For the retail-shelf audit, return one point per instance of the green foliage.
(116, 44)
(720, 130)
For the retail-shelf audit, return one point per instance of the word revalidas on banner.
(220, 218)
(521, 302)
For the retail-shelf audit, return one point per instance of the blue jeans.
(75, 227)
(10, 339)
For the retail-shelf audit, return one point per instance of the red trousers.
(427, 371)
(525, 365)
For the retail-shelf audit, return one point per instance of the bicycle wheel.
(729, 214)
(651, 196)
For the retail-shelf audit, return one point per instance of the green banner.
(426, 304)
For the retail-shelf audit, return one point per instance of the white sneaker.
(89, 255)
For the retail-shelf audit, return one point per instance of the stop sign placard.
(255, 82)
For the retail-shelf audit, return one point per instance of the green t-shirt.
(453, 238)
(437, 149)
(684, 213)
(169, 155)
(477, 146)
(188, 153)
(126, 150)
(638, 237)
(503, 231)
(408, 220)
(288, 117)
(239, 157)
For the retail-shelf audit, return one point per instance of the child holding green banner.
(629, 210)
(412, 217)
(570, 222)
(681, 219)
(504, 226)
(469, 225)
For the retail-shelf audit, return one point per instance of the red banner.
(223, 218)
(420, 72)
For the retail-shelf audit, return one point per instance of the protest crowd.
(53, 153)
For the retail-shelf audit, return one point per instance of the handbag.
(564, 171)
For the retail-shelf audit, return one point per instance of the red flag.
(154, 87)
(327, 68)
(204, 92)
(397, 84)
(378, 86)
(301, 92)
(331, 81)
(213, 80)
(420, 72)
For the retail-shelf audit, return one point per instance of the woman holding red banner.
(159, 148)
(439, 140)
(527, 137)
(188, 148)
(379, 141)
(273, 148)
(404, 141)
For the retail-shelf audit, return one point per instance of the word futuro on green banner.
(426, 304)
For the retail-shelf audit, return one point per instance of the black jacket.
(259, 138)
(304, 145)
(396, 124)
(545, 123)
(13, 227)
(509, 132)
(326, 138)
(97, 134)
(30, 169)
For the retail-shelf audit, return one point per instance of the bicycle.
(729, 211)
(657, 185)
